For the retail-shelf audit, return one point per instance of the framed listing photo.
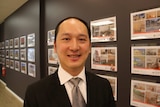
(3, 52)
(145, 24)
(31, 70)
(113, 82)
(7, 53)
(12, 64)
(7, 44)
(51, 37)
(2, 45)
(51, 70)
(3, 61)
(31, 40)
(31, 54)
(16, 65)
(145, 60)
(11, 53)
(52, 57)
(11, 43)
(7, 63)
(24, 67)
(145, 94)
(16, 54)
(103, 30)
(0, 53)
(23, 41)
(16, 42)
(0, 60)
(104, 58)
(23, 54)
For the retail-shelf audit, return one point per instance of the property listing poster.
(145, 94)
(113, 82)
(145, 24)
(146, 60)
(51, 70)
(52, 56)
(104, 58)
(103, 30)
(51, 37)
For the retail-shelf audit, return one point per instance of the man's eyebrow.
(85, 35)
(70, 34)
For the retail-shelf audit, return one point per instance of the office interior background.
(39, 16)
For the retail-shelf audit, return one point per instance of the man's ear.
(54, 45)
(90, 48)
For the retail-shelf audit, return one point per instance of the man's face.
(72, 45)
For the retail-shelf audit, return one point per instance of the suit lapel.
(58, 93)
(91, 91)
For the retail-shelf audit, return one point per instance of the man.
(72, 45)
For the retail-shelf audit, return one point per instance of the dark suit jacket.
(49, 93)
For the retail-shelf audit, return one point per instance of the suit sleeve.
(30, 98)
(110, 96)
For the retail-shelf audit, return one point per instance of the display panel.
(52, 56)
(103, 30)
(16, 42)
(31, 54)
(24, 67)
(23, 41)
(51, 70)
(31, 40)
(146, 60)
(104, 58)
(145, 24)
(51, 37)
(31, 70)
(113, 82)
(145, 94)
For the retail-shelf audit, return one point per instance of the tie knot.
(75, 81)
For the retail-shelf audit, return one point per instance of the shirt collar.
(64, 76)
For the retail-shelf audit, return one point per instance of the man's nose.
(74, 45)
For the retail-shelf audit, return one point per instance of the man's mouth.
(74, 56)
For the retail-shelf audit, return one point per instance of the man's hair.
(85, 23)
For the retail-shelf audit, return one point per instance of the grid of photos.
(24, 67)
(52, 56)
(145, 24)
(145, 94)
(31, 55)
(113, 82)
(31, 69)
(16, 53)
(103, 30)
(2, 53)
(50, 37)
(145, 60)
(104, 58)
(51, 70)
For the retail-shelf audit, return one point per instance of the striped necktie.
(77, 98)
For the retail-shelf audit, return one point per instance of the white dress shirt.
(64, 78)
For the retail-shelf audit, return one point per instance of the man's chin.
(75, 66)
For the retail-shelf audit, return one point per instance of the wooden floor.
(7, 98)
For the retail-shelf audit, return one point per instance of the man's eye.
(82, 39)
(65, 39)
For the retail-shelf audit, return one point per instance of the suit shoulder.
(43, 82)
(96, 78)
